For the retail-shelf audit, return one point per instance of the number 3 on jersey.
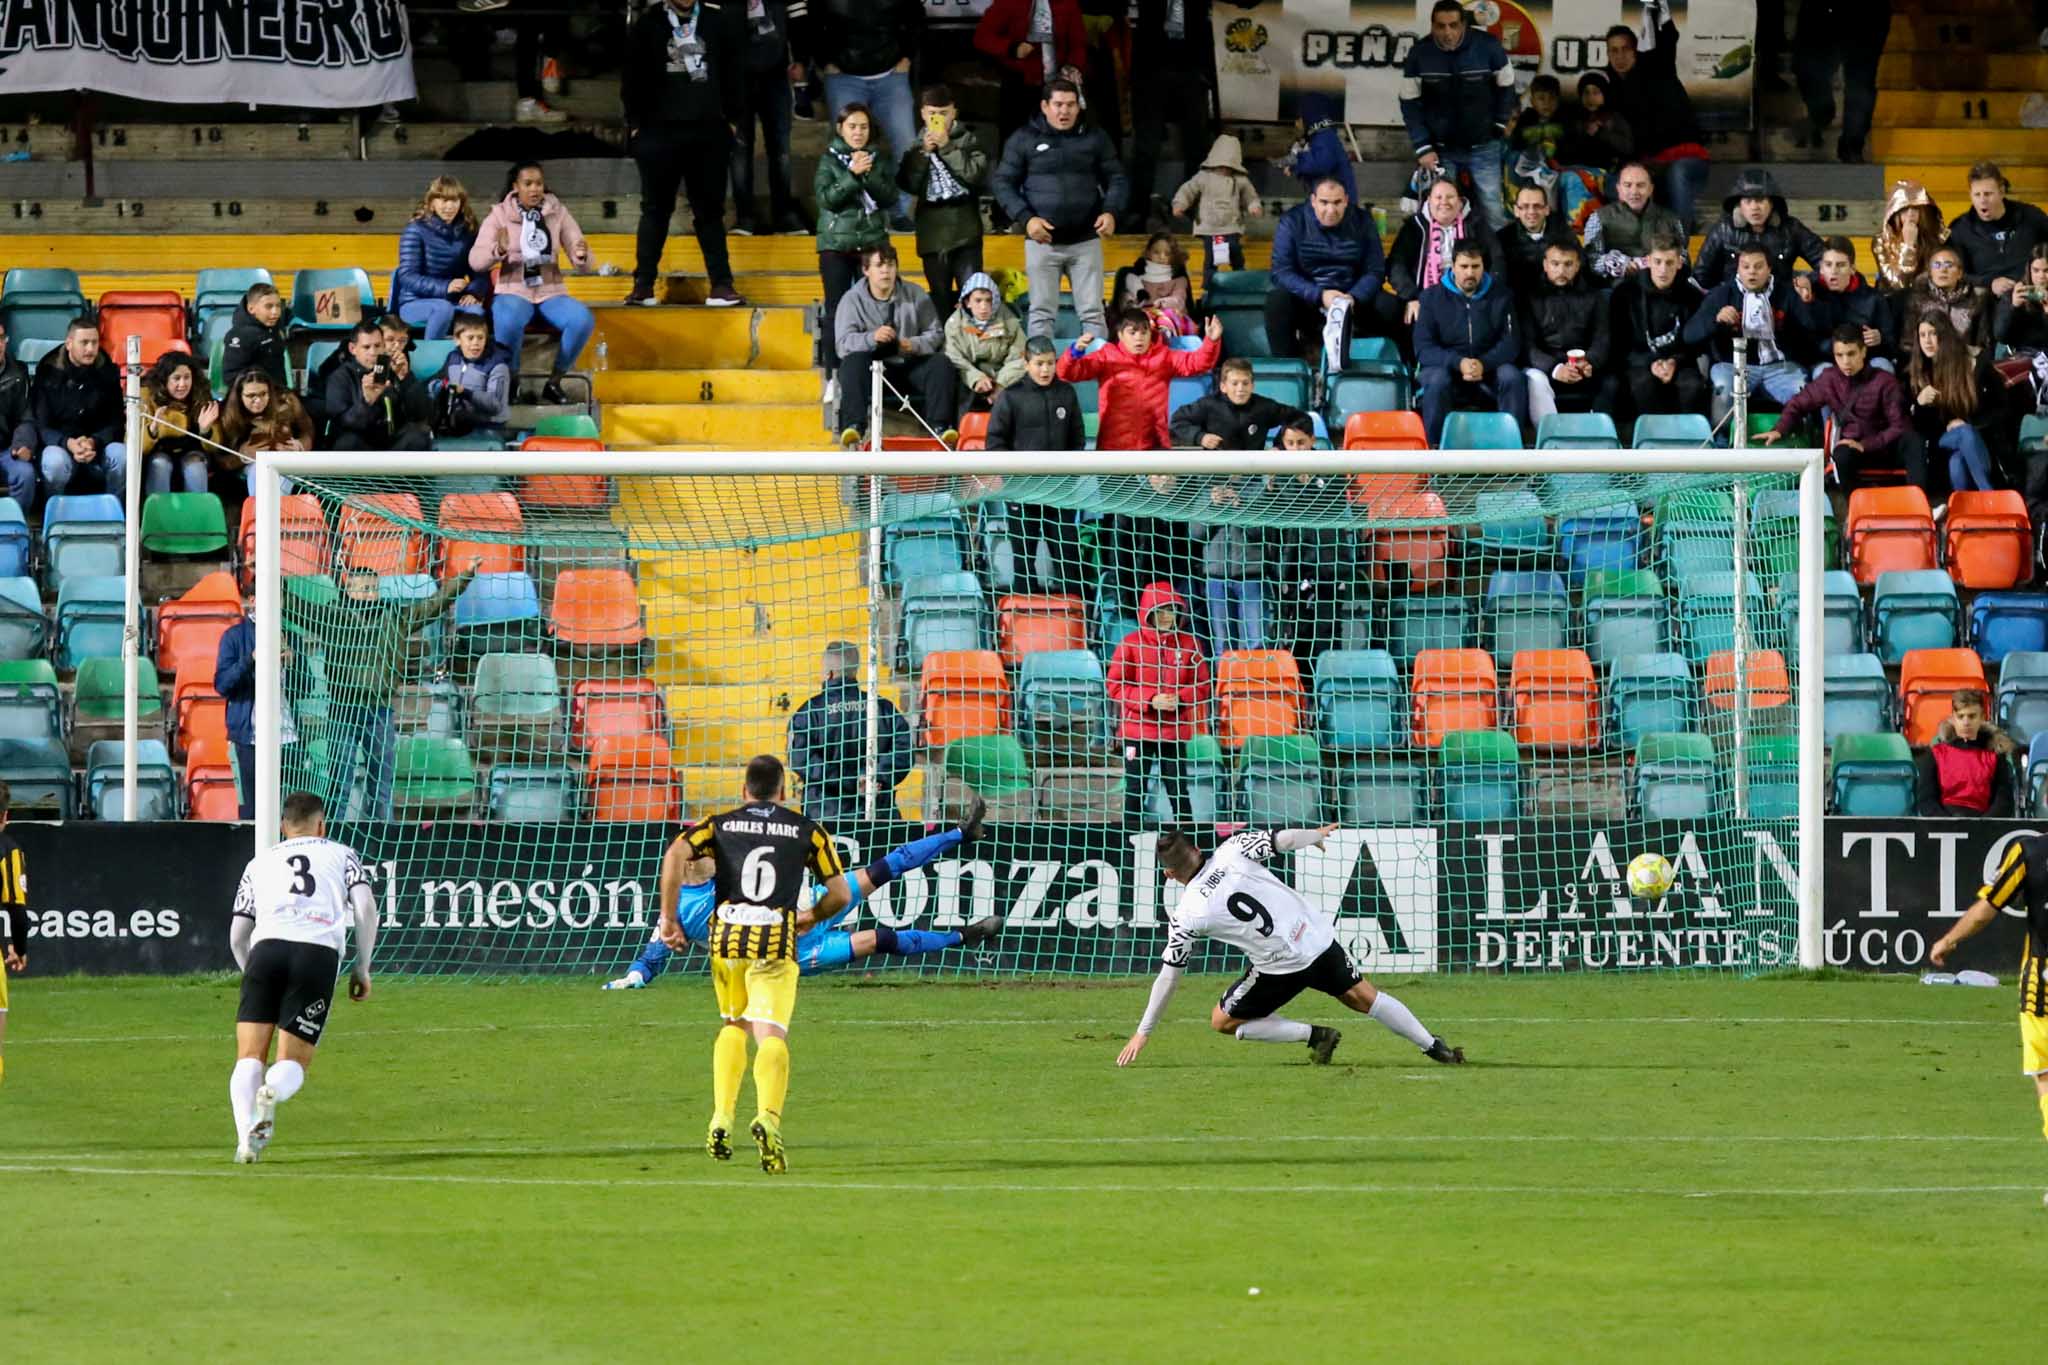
(757, 876)
(303, 883)
(1243, 907)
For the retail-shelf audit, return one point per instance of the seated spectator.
(75, 420)
(1327, 268)
(1533, 136)
(1595, 135)
(1041, 411)
(1523, 241)
(434, 280)
(1135, 373)
(520, 240)
(1967, 771)
(887, 318)
(263, 415)
(1755, 215)
(1628, 222)
(853, 186)
(412, 402)
(1568, 341)
(2021, 318)
(1159, 682)
(1646, 89)
(176, 407)
(15, 387)
(1996, 236)
(1651, 308)
(1467, 344)
(1866, 403)
(1220, 197)
(1953, 399)
(1758, 306)
(985, 342)
(1157, 285)
(1843, 298)
(1233, 567)
(1422, 251)
(1946, 291)
(1318, 152)
(361, 399)
(1912, 229)
(1232, 418)
(256, 336)
(1062, 180)
(474, 391)
(944, 174)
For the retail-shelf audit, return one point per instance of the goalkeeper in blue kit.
(827, 947)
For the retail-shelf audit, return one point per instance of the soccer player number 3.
(303, 883)
(757, 876)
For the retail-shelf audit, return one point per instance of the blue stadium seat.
(1062, 701)
(1625, 613)
(1577, 431)
(1913, 609)
(1481, 431)
(156, 781)
(307, 284)
(1575, 490)
(1605, 537)
(24, 630)
(1361, 702)
(1181, 392)
(1511, 522)
(316, 356)
(1706, 615)
(1842, 613)
(1244, 328)
(1773, 768)
(2022, 695)
(1674, 777)
(16, 546)
(90, 618)
(497, 613)
(1859, 698)
(1672, 431)
(1650, 694)
(1374, 355)
(943, 611)
(429, 358)
(1345, 394)
(1418, 623)
(38, 775)
(2003, 623)
(83, 535)
(1873, 775)
(1526, 611)
(1283, 379)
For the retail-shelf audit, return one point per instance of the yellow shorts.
(2033, 1043)
(758, 990)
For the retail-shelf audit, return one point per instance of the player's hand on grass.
(1133, 1048)
(359, 985)
(17, 960)
(672, 933)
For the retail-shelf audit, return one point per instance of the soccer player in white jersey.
(292, 912)
(1232, 897)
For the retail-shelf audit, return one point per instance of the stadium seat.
(963, 693)
(1695, 531)
(1774, 532)
(198, 619)
(2002, 622)
(379, 534)
(563, 445)
(1889, 528)
(31, 350)
(1415, 624)
(1510, 521)
(615, 706)
(1417, 556)
(516, 703)
(990, 766)
(1577, 431)
(157, 316)
(1062, 703)
(1705, 611)
(1672, 431)
(1361, 704)
(1604, 537)
(1481, 431)
(597, 610)
(222, 290)
(1769, 687)
(429, 358)
(942, 612)
(91, 612)
(156, 781)
(303, 541)
(1481, 775)
(1382, 790)
(1526, 611)
(83, 535)
(494, 515)
(307, 285)
(16, 545)
(496, 613)
(196, 708)
(1842, 613)
(1556, 699)
(1366, 489)
(1258, 692)
(1858, 697)
(2023, 694)
(1987, 539)
(922, 549)
(433, 776)
(96, 705)
(184, 524)
(1454, 689)
(1282, 778)
(1027, 625)
(1650, 694)
(1624, 613)
(209, 784)
(1182, 390)
(1773, 767)
(973, 429)
(1873, 775)
(1927, 679)
(1347, 394)
(56, 281)
(31, 707)
(1234, 285)
(537, 794)
(1376, 430)
(1283, 379)
(316, 356)
(1372, 355)
(24, 630)
(38, 777)
(1913, 609)
(1674, 777)
(559, 490)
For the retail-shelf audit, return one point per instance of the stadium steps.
(1942, 69)
(688, 386)
(735, 424)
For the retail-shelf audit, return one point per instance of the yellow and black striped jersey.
(14, 891)
(762, 851)
(2023, 875)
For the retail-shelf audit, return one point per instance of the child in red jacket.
(1135, 373)
(1159, 680)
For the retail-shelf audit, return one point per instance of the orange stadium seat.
(373, 539)
(1556, 700)
(596, 608)
(201, 712)
(155, 315)
(973, 431)
(1889, 528)
(1384, 431)
(564, 490)
(1927, 678)
(632, 777)
(1033, 625)
(1455, 689)
(495, 513)
(210, 780)
(302, 538)
(1989, 542)
(1421, 554)
(1770, 684)
(965, 693)
(197, 620)
(1258, 693)
(603, 707)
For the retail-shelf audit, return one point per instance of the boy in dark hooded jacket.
(1755, 215)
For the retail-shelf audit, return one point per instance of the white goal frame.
(273, 467)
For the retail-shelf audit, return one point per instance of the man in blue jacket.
(1326, 252)
(234, 677)
(1467, 345)
(1457, 98)
(828, 746)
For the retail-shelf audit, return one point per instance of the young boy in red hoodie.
(1159, 680)
(1135, 373)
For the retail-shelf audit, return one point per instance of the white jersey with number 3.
(1234, 899)
(299, 891)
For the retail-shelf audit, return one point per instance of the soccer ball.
(1649, 876)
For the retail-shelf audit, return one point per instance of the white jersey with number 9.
(1234, 899)
(299, 891)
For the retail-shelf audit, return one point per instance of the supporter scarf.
(944, 186)
(536, 248)
(1438, 244)
(1758, 323)
(867, 201)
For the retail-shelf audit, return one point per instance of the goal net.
(1500, 684)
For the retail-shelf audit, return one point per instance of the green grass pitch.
(1639, 1169)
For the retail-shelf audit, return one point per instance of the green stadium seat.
(1774, 532)
(1674, 777)
(97, 693)
(1481, 775)
(994, 768)
(1773, 765)
(38, 776)
(1383, 791)
(572, 424)
(24, 630)
(1624, 612)
(156, 781)
(521, 794)
(31, 707)
(184, 524)
(432, 775)
(1282, 776)
(1873, 775)
(1202, 765)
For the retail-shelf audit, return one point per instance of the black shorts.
(1257, 994)
(290, 985)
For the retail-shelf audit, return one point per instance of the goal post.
(1495, 850)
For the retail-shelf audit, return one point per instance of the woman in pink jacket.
(520, 240)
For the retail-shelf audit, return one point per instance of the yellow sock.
(2044, 1113)
(771, 1076)
(728, 1068)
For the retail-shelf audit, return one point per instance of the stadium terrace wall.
(154, 898)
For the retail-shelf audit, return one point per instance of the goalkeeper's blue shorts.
(824, 950)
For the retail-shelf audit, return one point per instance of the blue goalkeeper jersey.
(696, 904)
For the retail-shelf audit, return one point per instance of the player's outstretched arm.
(1974, 921)
(1162, 991)
(1992, 897)
(838, 895)
(1288, 840)
(364, 901)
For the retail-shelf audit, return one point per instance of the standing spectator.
(1836, 297)
(475, 388)
(1595, 136)
(520, 240)
(1967, 771)
(1315, 564)
(434, 280)
(1524, 240)
(533, 34)
(1996, 235)
(828, 745)
(1159, 680)
(262, 415)
(1041, 411)
(864, 48)
(1136, 373)
(944, 174)
(1912, 229)
(1065, 184)
(362, 399)
(1533, 135)
(767, 105)
(15, 388)
(1234, 565)
(1157, 283)
(1173, 84)
(75, 419)
(1642, 76)
(1848, 34)
(1946, 292)
(256, 335)
(234, 677)
(1954, 399)
(1566, 333)
(852, 185)
(1457, 98)
(1467, 344)
(1626, 224)
(1032, 41)
(1327, 265)
(887, 318)
(1422, 252)
(985, 342)
(1235, 417)
(1869, 413)
(1220, 197)
(1755, 215)
(1757, 306)
(2021, 320)
(684, 86)
(177, 410)
(1651, 308)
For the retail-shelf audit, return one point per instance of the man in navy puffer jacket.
(1467, 345)
(1457, 97)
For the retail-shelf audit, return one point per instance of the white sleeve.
(1288, 840)
(364, 901)
(240, 930)
(1162, 991)
(1256, 844)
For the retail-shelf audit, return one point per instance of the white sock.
(285, 1078)
(1400, 1019)
(242, 1083)
(1272, 1029)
